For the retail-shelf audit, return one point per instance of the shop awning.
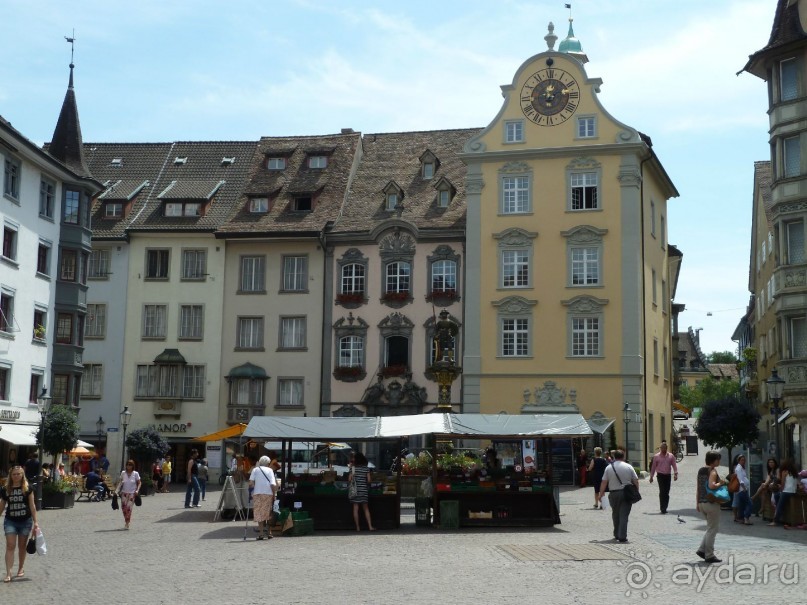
(381, 427)
(231, 431)
(19, 434)
(600, 425)
(84, 444)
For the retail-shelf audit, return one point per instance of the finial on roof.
(71, 40)
(551, 38)
(571, 45)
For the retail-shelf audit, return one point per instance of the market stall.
(521, 493)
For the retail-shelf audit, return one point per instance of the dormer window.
(445, 192)
(393, 195)
(227, 160)
(113, 210)
(180, 160)
(117, 162)
(276, 163)
(259, 205)
(303, 203)
(428, 164)
(318, 161)
(183, 209)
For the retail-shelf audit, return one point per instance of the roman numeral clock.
(549, 97)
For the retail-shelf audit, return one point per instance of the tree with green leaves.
(728, 422)
(61, 430)
(721, 357)
(706, 390)
(145, 446)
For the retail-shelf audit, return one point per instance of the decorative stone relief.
(549, 398)
(397, 245)
(348, 411)
(515, 167)
(792, 207)
(396, 323)
(583, 164)
(515, 237)
(796, 374)
(584, 234)
(585, 304)
(629, 177)
(795, 278)
(395, 394)
(474, 185)
(514, 305)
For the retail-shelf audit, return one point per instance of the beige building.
(567, 262)
(778, 325)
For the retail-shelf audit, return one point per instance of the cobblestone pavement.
(175, 555)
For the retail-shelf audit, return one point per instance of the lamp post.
(125, 417)
(42, 404)
(100, 429)
(626, 415)
(776, 387)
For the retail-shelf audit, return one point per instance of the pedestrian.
(264, 485)
(167, 467)
(204, 472)
(789, 483)
(742, 498)
(59, 474)
(707, 476)
(582, 465)
(17, 499)
(666, 469)
(361, 477)
(768, 491)
(128, 487)
(616, 476)
(157, 475)
(192, 473)
(32, 467)
(596, 467)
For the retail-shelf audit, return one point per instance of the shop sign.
(9, 414)
(170, 428)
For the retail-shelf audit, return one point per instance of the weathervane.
(72, 40)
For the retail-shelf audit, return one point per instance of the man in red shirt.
(666, 469)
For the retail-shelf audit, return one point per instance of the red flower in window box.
(446, 294)
(348, 372)
(350, 297)
(396, 296)
(394, 370)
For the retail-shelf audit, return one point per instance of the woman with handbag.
(709, 480)
(17, 499)
(359, 490)
(768, 491)
(264, 485)
(787, 479)
(129, 488)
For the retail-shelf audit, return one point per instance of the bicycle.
(679, 450)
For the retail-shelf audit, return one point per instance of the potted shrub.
(58, 495)
(39, 332)
(146, 484)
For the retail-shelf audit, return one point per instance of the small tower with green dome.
(571, 45)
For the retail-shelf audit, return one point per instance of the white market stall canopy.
(367, 428)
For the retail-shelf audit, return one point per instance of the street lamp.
(100, 429)
(42, 404)
(776, 387)
(626, 414)
(125, 417)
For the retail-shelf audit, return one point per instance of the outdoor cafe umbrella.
(79, 451)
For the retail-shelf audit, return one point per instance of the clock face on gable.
(549, 97)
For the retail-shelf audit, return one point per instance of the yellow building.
(567, 257)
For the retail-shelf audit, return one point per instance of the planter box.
(58, 500)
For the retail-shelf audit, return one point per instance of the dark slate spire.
(66, 144)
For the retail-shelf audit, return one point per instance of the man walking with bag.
(617, 475)
(666, 469)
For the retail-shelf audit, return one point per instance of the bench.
(91, 494)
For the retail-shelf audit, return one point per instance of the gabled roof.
(202, 175)
(397, 157)
(326, 185)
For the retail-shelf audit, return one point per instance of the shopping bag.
(30, 548)
(41, 547)
(115, 501)
(288, 524)
(276, 507)
(605, 502)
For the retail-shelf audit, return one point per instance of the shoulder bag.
(734, 483)
(630, 492)
(717, 496)
(352, 490)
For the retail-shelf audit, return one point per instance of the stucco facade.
(567, 257)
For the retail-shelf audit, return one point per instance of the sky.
(199, 70)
